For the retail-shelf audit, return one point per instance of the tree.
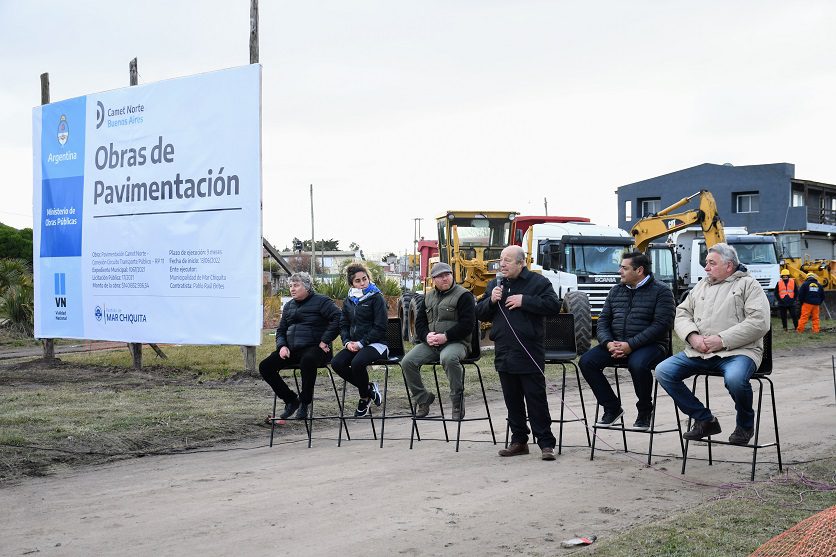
(302, 262)
(321, 245)
(353, 246)
(15, 244)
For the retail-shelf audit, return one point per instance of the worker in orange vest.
(786, 292)
(811, 296)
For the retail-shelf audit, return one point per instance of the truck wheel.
(403, 314)
(413, 311)
(577, 303)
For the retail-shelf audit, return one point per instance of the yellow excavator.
(662, 223)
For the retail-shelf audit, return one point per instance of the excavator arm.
(656, 225)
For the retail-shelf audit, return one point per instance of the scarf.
(356, 295)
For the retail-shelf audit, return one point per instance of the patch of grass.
(735, 523)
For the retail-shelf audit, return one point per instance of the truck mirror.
(546, 257)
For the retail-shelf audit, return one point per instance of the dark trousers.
(639, 362)
(352, 366)
(523, 390)
(782, 311)
(306, 359)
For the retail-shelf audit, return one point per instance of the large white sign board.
(147, 210)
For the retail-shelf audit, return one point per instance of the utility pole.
(546, 204)
(416, 233)
(313, 242)
(248, 352)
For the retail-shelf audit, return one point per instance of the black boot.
(289, 409)
(302, 413)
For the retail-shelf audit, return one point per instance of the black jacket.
(365, 321)
(307, 323)
(811, 292)
(527, 321)
(638, 316)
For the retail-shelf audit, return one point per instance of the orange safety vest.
(786, 289)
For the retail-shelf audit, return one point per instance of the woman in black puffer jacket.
(363, 332)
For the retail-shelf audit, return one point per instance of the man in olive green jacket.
(722, 321)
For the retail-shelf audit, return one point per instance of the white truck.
(758, 253)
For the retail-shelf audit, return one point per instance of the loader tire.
(577, 303)
(413, 311)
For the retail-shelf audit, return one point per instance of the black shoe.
(642, 422)
(362, 408)
(609, 417)
(302, 413)
(289, 409)
(703, 429)
(375, 394)
(741, 436)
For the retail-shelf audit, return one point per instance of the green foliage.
(17, 298)
(378, 277)
(15, 244)
(390, 287)
(336, 289)
(321, 245)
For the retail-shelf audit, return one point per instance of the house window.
(650, 205)
(628, 210)
(746, 202)
(798, 199)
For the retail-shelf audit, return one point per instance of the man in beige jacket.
(722, 321)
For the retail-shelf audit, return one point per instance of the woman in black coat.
(363, 332)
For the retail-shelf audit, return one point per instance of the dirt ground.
(249, 499)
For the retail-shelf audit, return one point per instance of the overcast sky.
(396, 110)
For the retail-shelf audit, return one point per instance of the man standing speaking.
(516, 302)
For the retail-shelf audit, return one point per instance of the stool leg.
(342, 418)
(485, 398)
(562, 410)
(273, 421)
(623, 426)
(594, 431)
(583, 405)
(757, 426)
(385, 393)
(411, 407)
(440, 404)
(775, 420)
(340, 403)
(707, 405)
(652, 422)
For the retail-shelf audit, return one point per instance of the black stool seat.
(622, 426)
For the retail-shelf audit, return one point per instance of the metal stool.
(761, 375)
(559, 342)
(472, 360)
(394, 341)
(652, 432)
(310, 419)
(624, 429)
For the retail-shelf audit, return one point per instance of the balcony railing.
(821, 216)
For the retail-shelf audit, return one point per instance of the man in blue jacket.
(633, 330)
(310, 322)
(517, 307)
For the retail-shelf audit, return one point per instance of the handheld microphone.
(499, 278)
